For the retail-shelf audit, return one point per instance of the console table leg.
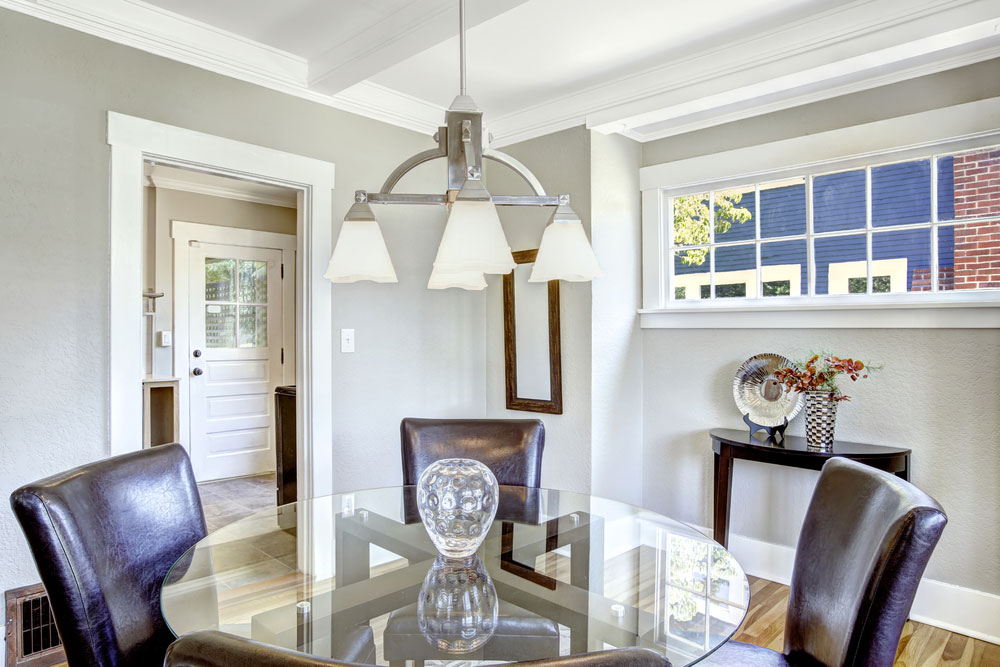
(723, 491)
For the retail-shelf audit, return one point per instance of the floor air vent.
(32, 638)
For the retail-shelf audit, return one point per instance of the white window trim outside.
(134, 140)
(951, 129)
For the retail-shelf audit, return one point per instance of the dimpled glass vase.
(457, 499)
(457, 608)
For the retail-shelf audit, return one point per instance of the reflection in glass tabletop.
(559, 573)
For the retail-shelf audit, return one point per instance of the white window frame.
(919, 136)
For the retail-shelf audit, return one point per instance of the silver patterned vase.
(457, 608)
(457, 500)
(821, 420)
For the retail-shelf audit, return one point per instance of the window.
(924, 224)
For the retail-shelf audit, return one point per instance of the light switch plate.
(347, 340)
(166, 338)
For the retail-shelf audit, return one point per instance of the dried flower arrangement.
(819, 373)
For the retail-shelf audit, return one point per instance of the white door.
(235, 358)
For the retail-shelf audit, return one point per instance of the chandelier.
(473, 243)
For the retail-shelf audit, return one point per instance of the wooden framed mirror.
(532, 354)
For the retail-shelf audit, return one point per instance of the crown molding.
(257, 197)
(854, 46)
(913, 38)
(140, 25)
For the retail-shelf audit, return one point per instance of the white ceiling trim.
(798, 96)
(151, 29)
(911, 38)
(853, 30)
(242, 194)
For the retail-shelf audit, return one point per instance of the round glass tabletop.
(558, 573)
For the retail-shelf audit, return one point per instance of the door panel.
(235, 319)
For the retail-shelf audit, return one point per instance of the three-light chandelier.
(473, 243)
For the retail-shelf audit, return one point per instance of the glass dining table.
(559, 573)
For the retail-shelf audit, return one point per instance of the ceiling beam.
(405, 33)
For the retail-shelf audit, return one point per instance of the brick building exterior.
(977, 195)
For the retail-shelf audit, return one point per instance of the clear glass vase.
(457, 607)
(457, 500)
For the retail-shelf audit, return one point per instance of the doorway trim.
(135, 140)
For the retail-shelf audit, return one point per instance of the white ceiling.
(645, 68)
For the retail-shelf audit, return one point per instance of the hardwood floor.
(920, 646)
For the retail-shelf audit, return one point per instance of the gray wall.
(938, 393)
(562, 162)
(426, 348)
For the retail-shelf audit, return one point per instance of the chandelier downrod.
(461, 45)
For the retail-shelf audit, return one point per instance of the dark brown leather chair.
(210, 648)
(104, 536)
(512, 448)
(865, 542)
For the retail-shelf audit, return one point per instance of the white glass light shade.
(473, 238)
(469, 280)
(565, 252)
(360, 254)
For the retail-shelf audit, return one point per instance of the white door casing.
(134, 140)
(234, 358)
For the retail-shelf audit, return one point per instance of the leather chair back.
(865, 542)
(211, 648)
(511, 448)
(104, 536)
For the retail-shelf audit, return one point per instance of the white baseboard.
(947, 606)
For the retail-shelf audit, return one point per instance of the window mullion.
(934, 225)
(810, 252)
(668, 221)
(711, 242)
(756, 217)
(868, 230)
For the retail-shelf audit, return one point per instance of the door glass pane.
(220, 279)
(253, 281)
(253, 326)
(220, 325)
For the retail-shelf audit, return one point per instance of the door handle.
(197, 371)
(197, 353)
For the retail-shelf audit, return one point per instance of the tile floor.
(229, 500)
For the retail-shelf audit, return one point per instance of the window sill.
(979, 310)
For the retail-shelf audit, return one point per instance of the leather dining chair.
(865, 542)
(511, 448)
(104, 536)
(211, 648)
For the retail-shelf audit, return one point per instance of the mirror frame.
(553, 405)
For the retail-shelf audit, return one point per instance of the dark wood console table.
(731, 444)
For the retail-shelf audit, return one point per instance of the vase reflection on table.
(457, 608)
